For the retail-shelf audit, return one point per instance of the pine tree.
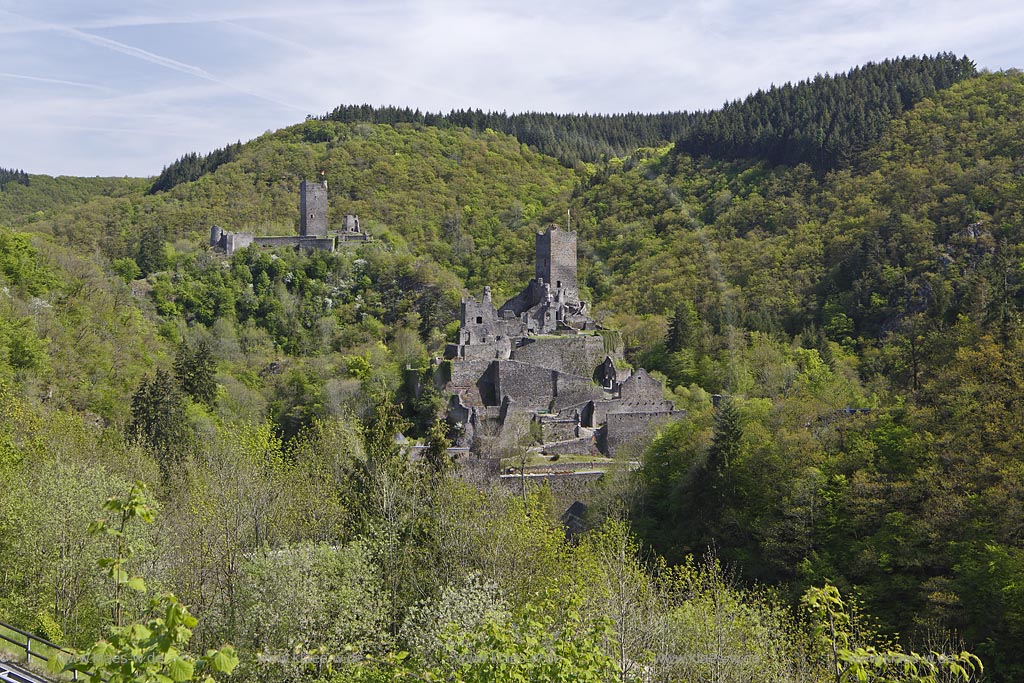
(195, 368)
(726, 442)
(436, 452)
(684, 328)
(159, 422)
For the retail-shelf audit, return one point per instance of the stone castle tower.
(313, 209)
(538, 356)
(556, 261)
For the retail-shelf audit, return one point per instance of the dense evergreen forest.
(9, 175)
(191, 166)
(842, 269)
(825, 122)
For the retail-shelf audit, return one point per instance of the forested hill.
(864, 324)
(895, 286)
(823, 122)
(571, 138)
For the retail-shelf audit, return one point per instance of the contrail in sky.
(57, 81)
(147, 56)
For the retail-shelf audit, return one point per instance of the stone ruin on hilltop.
(313, 227)
(540, 358)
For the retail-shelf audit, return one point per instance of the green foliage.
(848, 660)
(9, 175)
(195, 368)
(127, 269)
(142, 652)
(715, 629)
(684, 329)
(303, 607)
(192, 166)
(546, 641)
(20, 346)
(824, 122)
(867, 323)
(158, 420)
(436, 453)
(21, 266)
(151, 651)
(124, 511)
(571, 138)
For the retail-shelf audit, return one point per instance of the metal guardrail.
(25, 644)
(11, 673)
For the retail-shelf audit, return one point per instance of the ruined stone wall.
(583, 445)
(576, 355)
(479, 324)
(623, 429)
(307, 243)
(529, 386)
(486, 387)
(537, 388)
(458, 412)
(523, 301)
(571, 390)
(564, 489)
(318, 244)
(349, 238)
(642, 390)
(312, 209)
(597, 413)
(465, 379)
(496, 349)
(233, 241)
(558, 430)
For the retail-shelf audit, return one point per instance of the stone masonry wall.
(629, 428)
(308, 243)
(575, 355)
(529, 386)
(237, 240)
(558, 430)
(584, 445)
(571, 390)
(556, 259)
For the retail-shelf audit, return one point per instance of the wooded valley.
(839, 262)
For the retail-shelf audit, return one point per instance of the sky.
(114, 88)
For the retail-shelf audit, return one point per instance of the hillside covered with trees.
(839, 261)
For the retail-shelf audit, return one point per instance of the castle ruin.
(541, 358)
(313, 227)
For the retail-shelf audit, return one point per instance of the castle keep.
(313, 227)
(540, 358)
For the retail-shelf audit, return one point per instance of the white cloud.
(114, 91)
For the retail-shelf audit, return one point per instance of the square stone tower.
(556, 260)
(313, 209)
